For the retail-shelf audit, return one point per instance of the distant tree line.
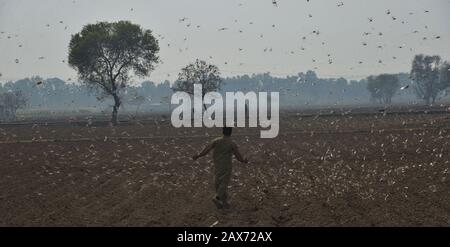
(57, 95)
(430, 78)
(301, 90)
(10, 102)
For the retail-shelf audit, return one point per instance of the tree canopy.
(383, 87)
(428, 78)
(199, 72)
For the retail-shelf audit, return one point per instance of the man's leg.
(222, 185)
(216, 199)
(222, 179)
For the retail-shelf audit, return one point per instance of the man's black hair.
(227, 131)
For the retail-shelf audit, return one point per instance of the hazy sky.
(253, 26)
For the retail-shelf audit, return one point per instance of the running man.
(224, 147)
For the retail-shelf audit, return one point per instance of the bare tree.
(428, 82)
(199, 72)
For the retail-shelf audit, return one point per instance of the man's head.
(227, 131)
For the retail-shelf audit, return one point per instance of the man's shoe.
(226, 205)
(219, 204)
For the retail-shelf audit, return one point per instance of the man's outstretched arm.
(204, 152)
(238, 154)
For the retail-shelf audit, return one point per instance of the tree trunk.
(116, 106)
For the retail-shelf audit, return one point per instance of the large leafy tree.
(199, 72)
(428, 77)
(383, 87)
(106, 55)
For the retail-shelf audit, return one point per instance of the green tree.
(106, 54)
(383, 87)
